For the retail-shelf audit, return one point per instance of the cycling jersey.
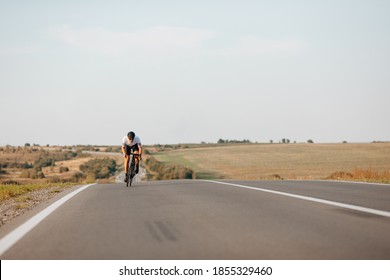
(131, 145)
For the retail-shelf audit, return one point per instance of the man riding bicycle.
(131, 143)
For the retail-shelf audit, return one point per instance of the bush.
(99, 168)
(44, 162)
(113, 149)
(164, 171)
(32, 174)
(50, 160)
(64, 169)
(79, 176)
(27, 165)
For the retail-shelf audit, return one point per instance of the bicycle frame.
(131, 169)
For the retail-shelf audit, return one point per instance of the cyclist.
(131, 142)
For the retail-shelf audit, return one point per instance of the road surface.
(196, 219)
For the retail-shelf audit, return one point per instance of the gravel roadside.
(16, 206)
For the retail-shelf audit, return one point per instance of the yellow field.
(73, 165)
(287, 161)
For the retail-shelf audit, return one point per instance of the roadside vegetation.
(14, 190)
(158, 170)
(32, 167)
(99, 168)
(362, 175)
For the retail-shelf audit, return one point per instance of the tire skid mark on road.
(313, 199)
(161, 230)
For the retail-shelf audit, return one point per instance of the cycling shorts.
(131, 148)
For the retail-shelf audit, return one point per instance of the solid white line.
(14, 236)
(350, 182)
(323, 201)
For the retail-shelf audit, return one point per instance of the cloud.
(159, 39)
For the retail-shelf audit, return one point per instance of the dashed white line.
(10, 239)
(323, 201)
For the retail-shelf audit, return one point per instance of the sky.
(87, 72)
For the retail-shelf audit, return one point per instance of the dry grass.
(366, 175)
(19, 193)
(73, 166)
(63, 170)
(367, 162)
(13, 157)
(10, 191)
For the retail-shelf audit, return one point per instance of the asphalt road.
(194, 219)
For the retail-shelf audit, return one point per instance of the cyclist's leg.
(131, 170)
(136, 157)
(126, 163)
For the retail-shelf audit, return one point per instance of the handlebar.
(136, 155)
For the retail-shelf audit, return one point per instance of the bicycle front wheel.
(127, 180)
(131, 173)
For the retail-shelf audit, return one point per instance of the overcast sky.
(87, 72)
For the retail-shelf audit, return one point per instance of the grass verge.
(8, 191)
(362, 175)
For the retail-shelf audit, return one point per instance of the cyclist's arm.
(123, 150)
(140, 150)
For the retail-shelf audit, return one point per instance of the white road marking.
(14, 236)
(323, 201)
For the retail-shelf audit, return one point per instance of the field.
(31, 175)
(347, 161)
(361, 162)
(47, 164)
(24, 169)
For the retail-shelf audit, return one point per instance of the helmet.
(131, 134)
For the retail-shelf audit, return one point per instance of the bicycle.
(131, 167)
